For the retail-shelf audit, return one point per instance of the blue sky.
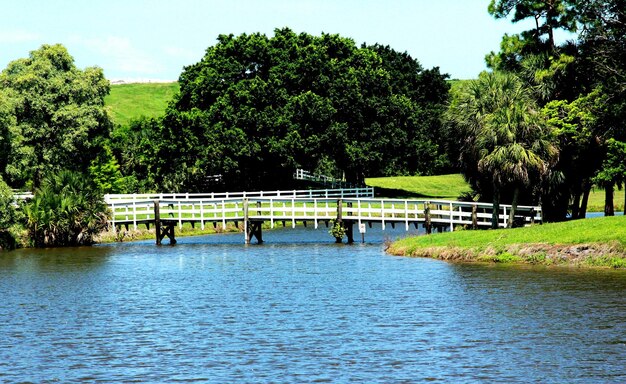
(155, 39)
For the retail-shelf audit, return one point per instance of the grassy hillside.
(131, 101)
(593, 242)
(441, 187)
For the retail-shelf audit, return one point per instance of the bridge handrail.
(305, 193)
(442, 212)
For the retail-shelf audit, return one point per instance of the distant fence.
(304, 193)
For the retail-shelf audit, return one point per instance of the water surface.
(301, 309)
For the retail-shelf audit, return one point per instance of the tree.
(7, 120)
(548, 15)
(66, 210)
(256, 108)
(612, 173)
(505, 144)
(7, 212)
(57, 117)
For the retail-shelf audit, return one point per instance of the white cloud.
(120, 55)
(18, 36)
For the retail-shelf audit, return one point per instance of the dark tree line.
(256, 108)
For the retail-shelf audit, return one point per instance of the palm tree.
(504, 139)
(66, 210)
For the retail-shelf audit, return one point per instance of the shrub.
(66, 210)
(7, 216)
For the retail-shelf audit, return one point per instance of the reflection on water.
(300, 308)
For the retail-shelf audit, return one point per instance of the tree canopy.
(578, 85)
(255, 108)
(52, 115)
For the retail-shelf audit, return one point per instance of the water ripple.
(206, 311)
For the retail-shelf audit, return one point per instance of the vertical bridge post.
(162, 231)
(157, 221)
(251, 228)
(339, 220)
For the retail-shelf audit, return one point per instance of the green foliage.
(54, 112)
(7, 209)
(11, 231)
(614, 167)
(128, 102)
(579, 134)
(504, 141)
(105, 172)
(67, 210)
(256, 108)
(337, 230)
(549, 15)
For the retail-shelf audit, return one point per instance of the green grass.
(595, 242)
(440, 187)
(596, 200)
(132, 101)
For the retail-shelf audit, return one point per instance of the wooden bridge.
(346, 207)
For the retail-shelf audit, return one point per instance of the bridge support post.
(250, 227)
(157, 221)
(427, 223)
(339, 220)
(474, 217)
(254, 228)
(349, 226)
(162, 231)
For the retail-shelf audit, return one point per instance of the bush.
(7, 216)
(66, 210)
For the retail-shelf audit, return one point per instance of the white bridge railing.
(439, 213)
(304, 193)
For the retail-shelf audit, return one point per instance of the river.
(301, 309)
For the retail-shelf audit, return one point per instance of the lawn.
(596, 200)
(447, 187)
(132, 101)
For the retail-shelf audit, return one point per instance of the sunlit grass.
(596, 200)
(132, 101)
(447, 187)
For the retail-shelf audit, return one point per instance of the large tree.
(505, 144)
(256, 108)
(57, 118)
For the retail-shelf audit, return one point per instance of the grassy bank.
(589, 242)
(132, 101)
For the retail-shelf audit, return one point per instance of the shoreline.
(567, 255)
(596, 242)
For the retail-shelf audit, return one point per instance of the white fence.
(305, 193)
(438, 213)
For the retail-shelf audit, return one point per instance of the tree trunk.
(583, 204)
(576, 206)
(513, 207)
(609, 208)
(496, 207)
